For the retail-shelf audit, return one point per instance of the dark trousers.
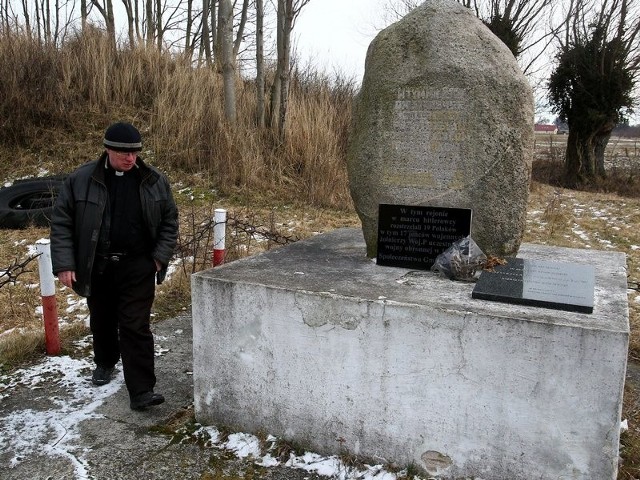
(120, 307)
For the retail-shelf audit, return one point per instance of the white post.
(48, 293)
(219, 232)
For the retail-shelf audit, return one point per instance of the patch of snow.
(624, 425)
(25, 432)
(243, 445)
(580, 233)
(75, 304)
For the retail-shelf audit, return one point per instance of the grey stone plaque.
(561, 286)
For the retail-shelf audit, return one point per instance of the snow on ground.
(27, 432)
(246, 445)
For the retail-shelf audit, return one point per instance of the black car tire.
(28, 202)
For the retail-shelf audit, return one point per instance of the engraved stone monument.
(445, 119)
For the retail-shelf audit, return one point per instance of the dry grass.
(630, 440)
(588, 220)
(68, 96)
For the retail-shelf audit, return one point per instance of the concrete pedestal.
(315, 343)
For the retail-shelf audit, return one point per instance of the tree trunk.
(107, 14)
(37, 13)
(83, 14)
(240, 33)
(128, 8)
(585, 154)
(213, 30)
(136, 12)
(110, 20)
(158, 26)
(150, 22)
(276, 87)
(283, 68)
(25, 13)
(46, 10)
(56, 25)
(288, 10)
(260, 103)
(601, 141)
(218, 46)
(580, 159)
(188, 28)
(228, 64)
(205, 41)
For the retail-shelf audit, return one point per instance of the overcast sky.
(334, 34)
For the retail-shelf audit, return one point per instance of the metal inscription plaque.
(413, 236)
(561, 286)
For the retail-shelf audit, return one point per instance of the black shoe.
(101, 375)
(146, 399)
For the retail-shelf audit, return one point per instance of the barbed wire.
(11, 273)
(254, 231)
(198, 242)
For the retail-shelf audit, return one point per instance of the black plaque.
(561, 286)
(413, 236)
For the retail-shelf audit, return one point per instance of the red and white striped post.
(48, 292)
(219, 231)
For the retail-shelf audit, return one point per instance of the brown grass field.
(53, 117)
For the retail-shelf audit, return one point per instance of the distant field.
(621, 151)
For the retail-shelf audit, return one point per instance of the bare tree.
(84, 14)
(105, 7)
(151, 25)
(188, 29)
(592, 84)
(37, 14)
(25, 13)
(288, 11)
(131, 18)
(396, 9)
(158, 23)
(227, 59)
(46, 21)
(260, 77)
(213, 29)
(206, 29)
(244, 12)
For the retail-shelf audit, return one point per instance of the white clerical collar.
(118, 172)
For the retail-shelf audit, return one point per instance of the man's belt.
(114, 256)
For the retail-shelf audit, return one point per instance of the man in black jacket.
(113, 231)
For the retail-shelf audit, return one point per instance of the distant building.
(543, 128)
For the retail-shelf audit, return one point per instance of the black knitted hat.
(123, 137)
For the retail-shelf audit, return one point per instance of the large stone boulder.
(444, 118)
